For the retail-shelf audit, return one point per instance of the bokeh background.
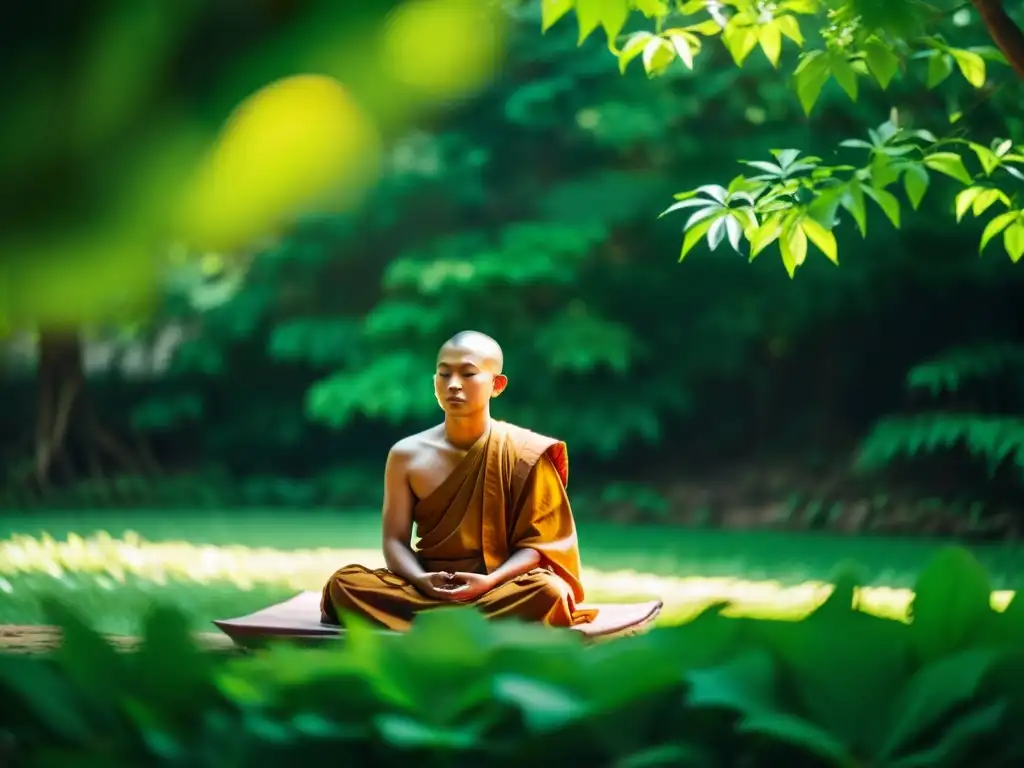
(223, 281)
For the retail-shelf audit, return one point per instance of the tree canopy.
(793, 198)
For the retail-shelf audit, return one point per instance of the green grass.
(790, 558)
(786, 558)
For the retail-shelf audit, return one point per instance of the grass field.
(222, 564)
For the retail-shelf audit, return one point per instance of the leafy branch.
(794, 200)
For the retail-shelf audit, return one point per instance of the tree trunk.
(61, 387)
(1003, 31)
(70, 441)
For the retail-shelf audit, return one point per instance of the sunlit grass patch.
(116, 579)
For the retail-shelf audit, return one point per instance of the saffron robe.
(508, 493)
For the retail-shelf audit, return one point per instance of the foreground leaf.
(952, 604)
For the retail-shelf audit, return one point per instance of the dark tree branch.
(1004, 32)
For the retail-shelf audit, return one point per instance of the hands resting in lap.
(458, 587)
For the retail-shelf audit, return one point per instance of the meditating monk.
(489, 502)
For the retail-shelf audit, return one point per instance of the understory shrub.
(837, 688)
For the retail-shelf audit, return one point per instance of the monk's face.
(465, 380)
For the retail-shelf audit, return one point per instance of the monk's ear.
(500, 382)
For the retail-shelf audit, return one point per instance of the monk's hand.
(438, 585)
(470, 586)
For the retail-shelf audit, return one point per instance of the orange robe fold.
(508, 493)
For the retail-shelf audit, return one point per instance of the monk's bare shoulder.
(413, 446)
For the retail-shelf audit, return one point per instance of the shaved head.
(479, 344)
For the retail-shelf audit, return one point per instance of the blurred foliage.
(974, 400)
(839, 687)
(795, 198)
(133, 125)
(281, 374)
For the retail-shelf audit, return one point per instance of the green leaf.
(790, 27)
(588, 17)
(694, 235)
(934, 692)
(765, 234)
(793, 245)
(853, 202)
(971, 65)
(881, 61)
(787, 729)
(989, 160)
(986, 199)
(810, 76)
(553, 10)
(1013, 239)
(915, 182)
(844, 73)
(964, 199)
(959, 739)
(658, 54)
(940, 66)
(952, 601)
(613, 18)
(949, 163)
(634, 47)
(739, 39)
(745, 685)
(683, 48)
(997, 225)
(887, 201)
(822, 238)
(770, 37)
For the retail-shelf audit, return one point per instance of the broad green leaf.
(949, 163)
(734, 230)
(652, 9)
(810, 76)
(881, 61)
(1013, 239)
(765, 234)
(553, 10)
(745, 685)
(739, 39)
(633, 47)
(997, 225)
(853, 202)
(887, 201)
(665, 756)
(935, 691)
(989, 160)
(684, 49)
(964, 199)
(694, 236)
(844, 73)
(940, 66)
(588, 16)
(971, 65)
(692, 202)
(788, 729)
(708, 27)
(986, 199)
(770, 37)
(915, 182)
(658, 54)
(790, 27)
(958, 739)
(822, 238)
(613, 18)
(952, 601)
(793, 245)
